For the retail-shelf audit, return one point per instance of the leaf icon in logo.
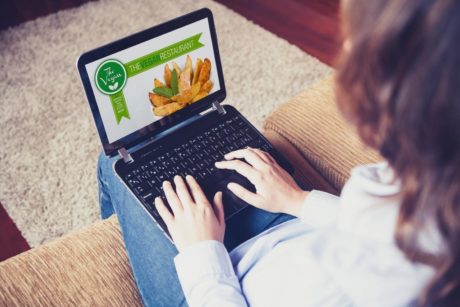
(113, 87)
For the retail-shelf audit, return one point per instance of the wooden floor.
(312, 25)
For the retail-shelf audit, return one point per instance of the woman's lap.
(150, 252)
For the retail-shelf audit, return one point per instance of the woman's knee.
(104, 165)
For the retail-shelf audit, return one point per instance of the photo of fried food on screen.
(180, 86)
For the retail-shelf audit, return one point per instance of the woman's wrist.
(294, 208)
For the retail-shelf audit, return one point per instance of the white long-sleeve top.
(340, 252)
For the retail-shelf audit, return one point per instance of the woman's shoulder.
(369, 271)
(369, 203)
(359, 250)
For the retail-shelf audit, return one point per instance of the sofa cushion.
(85, 268)
(312, 124)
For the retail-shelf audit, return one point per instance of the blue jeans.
(150, 253)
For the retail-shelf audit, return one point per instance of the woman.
(393, 236)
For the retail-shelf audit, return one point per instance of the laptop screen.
(154, 79)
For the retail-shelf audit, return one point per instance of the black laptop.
(156, 99)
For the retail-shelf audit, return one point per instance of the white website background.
(137, 87)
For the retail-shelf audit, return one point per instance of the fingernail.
(230, 186)
(166, 182)
(177, 177)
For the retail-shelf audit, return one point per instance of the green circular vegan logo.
(110, 77)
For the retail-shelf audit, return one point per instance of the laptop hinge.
(122, 152)
(217, 106)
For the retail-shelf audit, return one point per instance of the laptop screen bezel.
(164, 123)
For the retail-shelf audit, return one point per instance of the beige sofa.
(90, 267)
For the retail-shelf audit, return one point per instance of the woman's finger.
(219, 207)
(171, 197)
(263, 155)
(164, 213)
(197, 193)
(250, 156)
(242, 168)
(245, 194)
(182, 192)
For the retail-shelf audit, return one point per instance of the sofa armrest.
(85, 268)
(311, 125)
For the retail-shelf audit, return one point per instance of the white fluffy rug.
(49, 143)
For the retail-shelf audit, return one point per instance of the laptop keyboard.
(195, 156)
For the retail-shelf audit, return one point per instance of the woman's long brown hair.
(399, 83)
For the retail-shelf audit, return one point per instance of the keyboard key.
(140, 190)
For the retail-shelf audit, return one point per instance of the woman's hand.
(193, 219)
(276, 190)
